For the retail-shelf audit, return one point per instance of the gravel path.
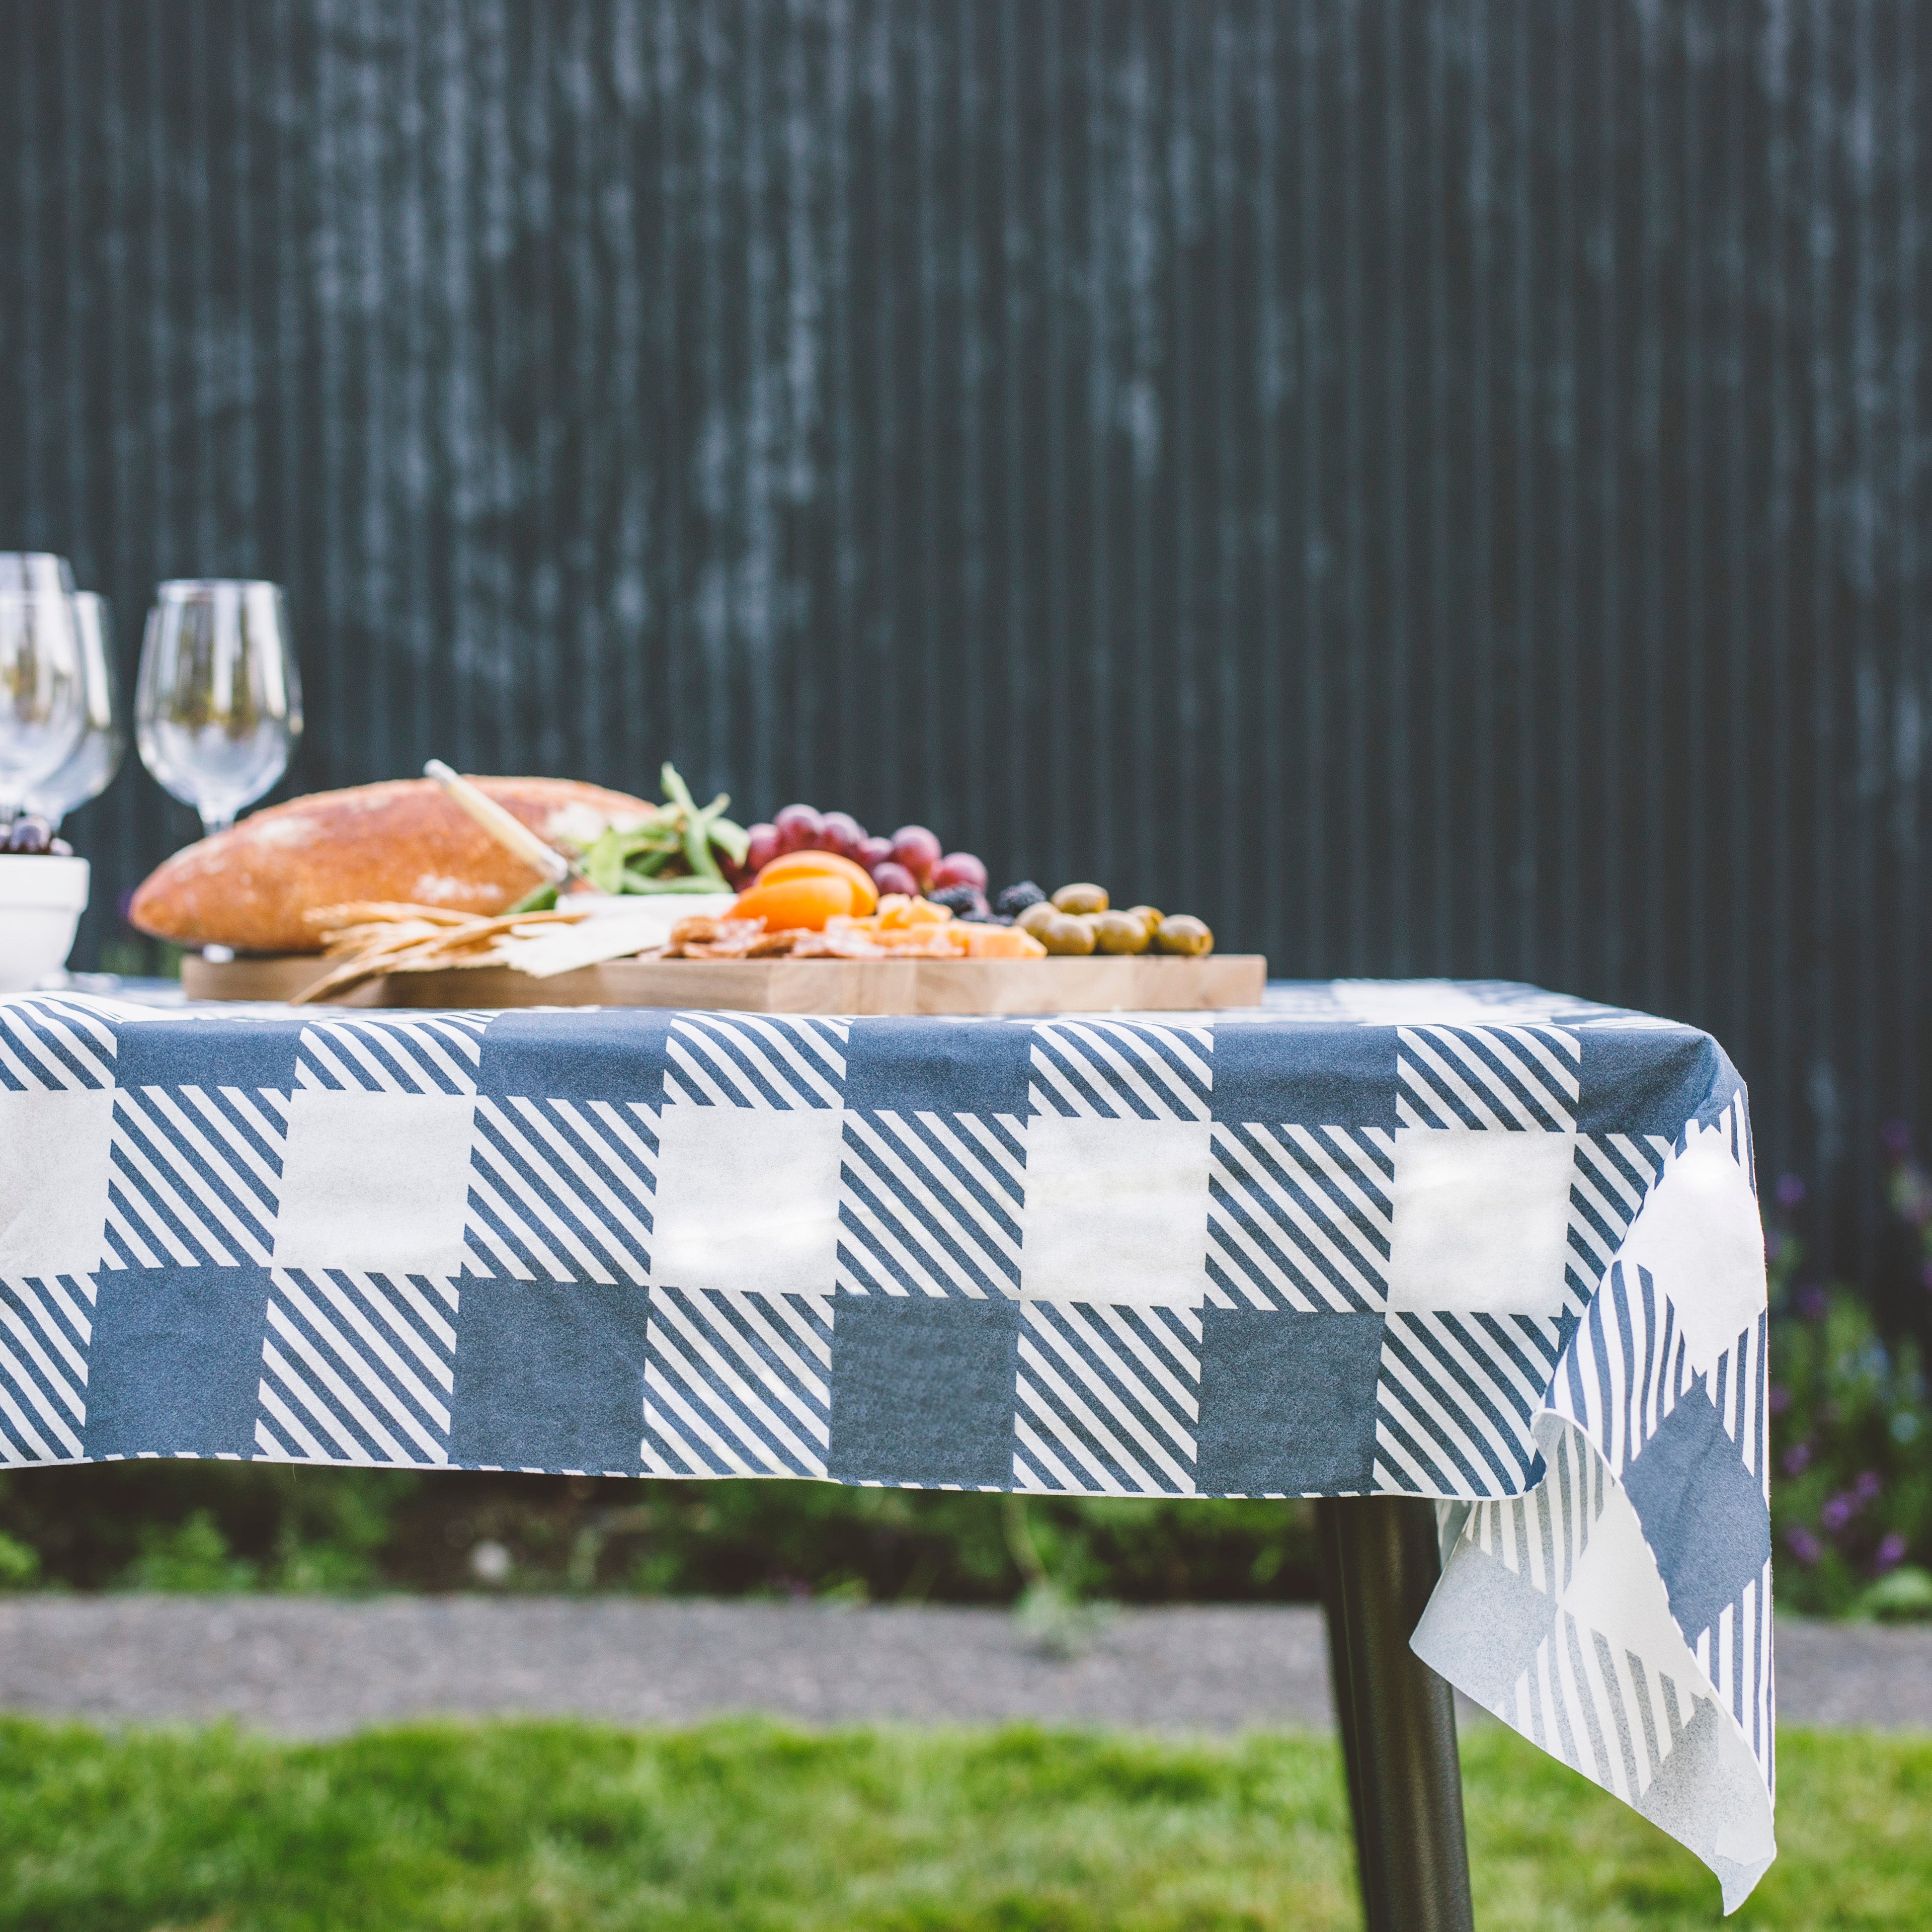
(307, 1666)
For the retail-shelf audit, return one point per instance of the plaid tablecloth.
(1472, 1242)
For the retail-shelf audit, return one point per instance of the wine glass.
(42, 698)
(36, 570)
(92, 764)
(217, 703)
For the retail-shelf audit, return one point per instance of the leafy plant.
(1851, 1437)
(126, 1524)
(1905, 1594)
(1056, 1622)
(20, 1565)
(203, 1526)
(192, 1555)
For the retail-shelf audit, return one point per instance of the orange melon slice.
(797, 904)
(824, 865)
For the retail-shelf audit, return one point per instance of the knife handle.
(505, 827)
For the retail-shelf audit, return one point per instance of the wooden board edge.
(957, 987)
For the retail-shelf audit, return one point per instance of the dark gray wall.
(1437, 488)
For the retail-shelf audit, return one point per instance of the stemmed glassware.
(43, 692)
(36, 570)
(90, 767)
(217, 703)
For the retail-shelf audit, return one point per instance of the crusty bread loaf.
(249, 887)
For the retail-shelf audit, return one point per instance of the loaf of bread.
(251, 887)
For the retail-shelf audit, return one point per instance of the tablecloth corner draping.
(1619, 1614)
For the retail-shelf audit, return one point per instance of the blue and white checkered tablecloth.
(1468, 1241)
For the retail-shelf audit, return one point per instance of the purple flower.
(1781, 1398)
(1896, 1136)
(1798, 1458)
(1838, 1511)
(1790, 1190)
(1868, 1486)
(1803, 1545)
(1890, 1553)
(1811, 1303)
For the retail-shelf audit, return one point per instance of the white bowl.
(41, 900)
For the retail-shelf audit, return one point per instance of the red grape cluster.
(910, 861)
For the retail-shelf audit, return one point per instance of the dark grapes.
(762, 849)
(841, 832)
(799, 829)
(1015, 899)
(916, 849)
(959, 868)
(962, 902)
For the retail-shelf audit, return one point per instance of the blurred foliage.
(1851, 1428)
(20, 1565)
(182, 1525)
(130, 954)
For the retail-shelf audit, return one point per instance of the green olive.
(1063, 935)
(1183, 933)
(1082, 898)
(1150, 916)
(1121, 932)
(1036, 916)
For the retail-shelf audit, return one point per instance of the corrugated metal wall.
(1437, 488)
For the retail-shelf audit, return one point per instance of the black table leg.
(1341, 1680)
(1397, 1718)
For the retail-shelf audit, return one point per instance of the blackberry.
(1015, 899)
(960, 901)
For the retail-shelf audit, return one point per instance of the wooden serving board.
(1148, 983)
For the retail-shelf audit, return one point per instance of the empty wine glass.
(217, 703)
(39, 571)
(92, 764)
(43, 699)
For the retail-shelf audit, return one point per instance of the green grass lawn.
(748, 1825)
